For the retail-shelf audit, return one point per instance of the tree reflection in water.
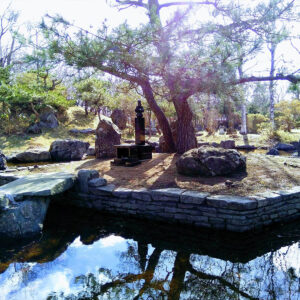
(162, 268)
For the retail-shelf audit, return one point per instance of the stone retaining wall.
(173, 205)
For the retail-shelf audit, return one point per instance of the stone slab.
(122, 193)
(103, 190)
(43, 184)
(167, 194)
(231, 202)
(193, 197)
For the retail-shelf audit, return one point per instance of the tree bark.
(186, 138)
(244, 130)
(161, 118)
(271, 84)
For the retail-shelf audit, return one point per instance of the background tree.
(94, 94)
(10, 41)
(183, 60)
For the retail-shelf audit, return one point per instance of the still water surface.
(82, 255)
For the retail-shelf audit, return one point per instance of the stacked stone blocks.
(174, 205)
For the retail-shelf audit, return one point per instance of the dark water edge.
(235, 253)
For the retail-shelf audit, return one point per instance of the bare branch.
(132, 3)
(214, 3)
(291, 78)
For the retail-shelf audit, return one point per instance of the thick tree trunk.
(161, 118)
(186, 138)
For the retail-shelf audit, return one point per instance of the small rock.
(97, 182)
(3, 164)
(229, 144)
(34, 128)
(91, 151)
(273, 151)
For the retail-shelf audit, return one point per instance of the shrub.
(256, 122)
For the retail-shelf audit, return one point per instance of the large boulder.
(119, 118)
(32, 155)
(3, 165)
(210, 161)
(48, 120)
(107, 135)
(67, 150)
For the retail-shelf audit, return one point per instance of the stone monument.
(133, 154)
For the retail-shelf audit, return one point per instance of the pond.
(87, 255)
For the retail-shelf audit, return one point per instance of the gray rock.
(106, 190)
(200, 144)
(86, 131)
(167, 194)
(270, 198)
(24, 219)
(209, 161)
(34, 128)
(3, 164)
(231, 202)
(67, 150)
(97, 182)
(216, 145)
(4, 201)
(245, 147)
(229, 144)
(48, 120)
(285, 147)
(273, 151)
(119, 118)
(33, 155)
(39, 185)
(193, 197)
(91, 151)
(142, 194)
(122, 193)
(107, 135)
(83, 178)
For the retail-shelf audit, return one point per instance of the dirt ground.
(264, 173)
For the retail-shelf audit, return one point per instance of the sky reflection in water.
(111, 258)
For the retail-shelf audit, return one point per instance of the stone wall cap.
(122, 192)
(231, 202)
(176, 192)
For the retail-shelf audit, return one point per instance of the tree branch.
(292, 78)
(132, 3)
(188, 3)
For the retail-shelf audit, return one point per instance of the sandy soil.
(263, 173)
